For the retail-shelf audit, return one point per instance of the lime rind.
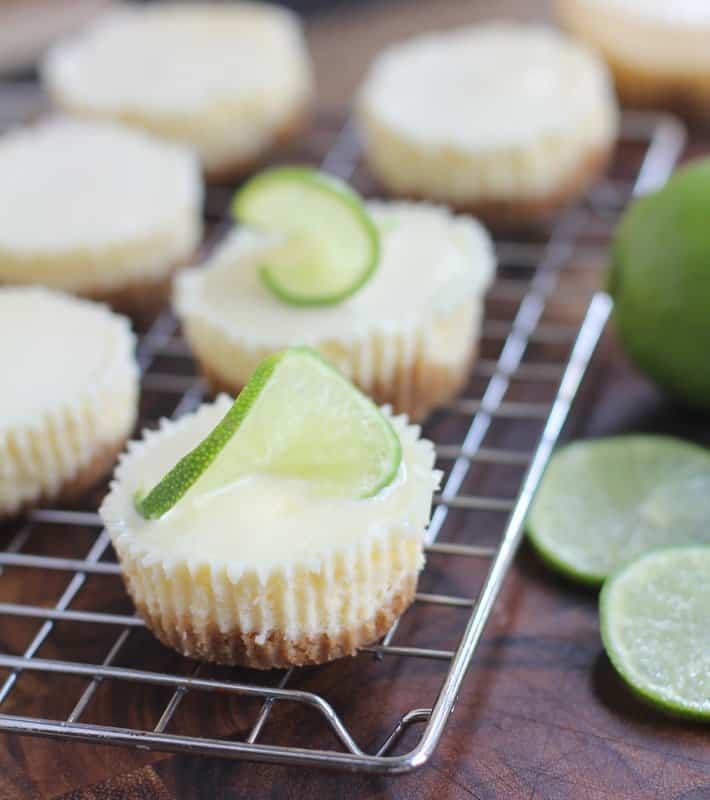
(353, 255)
(192, 466)
(298, 417)
(659, 282)
(660, 698)
(567, 570)
(267, 277)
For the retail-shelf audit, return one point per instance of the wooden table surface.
(540, 715)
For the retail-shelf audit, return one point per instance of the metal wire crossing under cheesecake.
(530, 278)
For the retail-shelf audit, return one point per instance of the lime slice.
(602, 503)
(330, 245)
(297, 417)
(654, 624)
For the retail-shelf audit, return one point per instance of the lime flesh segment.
(654, 624)
(602, 503)
(330, 244)
(298, 417)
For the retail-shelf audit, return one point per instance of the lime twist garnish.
(654, 624)
(330, 245)
(602, 503)
(298, 417)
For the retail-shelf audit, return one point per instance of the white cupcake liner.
(40, 457)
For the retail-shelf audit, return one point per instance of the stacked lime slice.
(298, 417)
(655, 623)
(328, 244)
(620, 507)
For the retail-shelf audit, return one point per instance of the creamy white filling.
(431, 261)
(55, 350)
(75, 186)
(183, 58)
(261, 522)
(489, 87)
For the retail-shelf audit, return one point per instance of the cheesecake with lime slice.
(282, 528)
(392, 293)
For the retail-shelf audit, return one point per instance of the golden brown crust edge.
(275, 650)
(415, 390)
(525, 211)
(84, 479)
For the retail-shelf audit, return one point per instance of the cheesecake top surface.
(181, 57)
(489, 86)
(260, 521)
(70, 185)
(55, 351)
(430, 260)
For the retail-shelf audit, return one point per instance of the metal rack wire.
(531, 278)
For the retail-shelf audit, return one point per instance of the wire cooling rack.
(69, 633)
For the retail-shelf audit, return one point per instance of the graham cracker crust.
(415, 390)
(275, 649)
(92, 473)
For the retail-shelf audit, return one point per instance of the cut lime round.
(654, 624)
(298, 417)
(330, 245)
(602, 503)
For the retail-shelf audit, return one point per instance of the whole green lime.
(660, 282)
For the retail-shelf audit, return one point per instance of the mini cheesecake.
(657, 50)
(69, 397)
(268, 572)
(99, 210)
(231, 79)
(505, 120)
(407, 338)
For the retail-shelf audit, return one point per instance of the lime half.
(604, 502)
(330, 245)
(297, 417)
(654, 624)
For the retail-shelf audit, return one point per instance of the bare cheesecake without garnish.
(506, 120)
(97, 209)
(231, 79)
(69, 398)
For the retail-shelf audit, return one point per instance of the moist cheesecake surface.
(508, 121)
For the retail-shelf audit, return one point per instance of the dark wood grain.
(541, 714)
